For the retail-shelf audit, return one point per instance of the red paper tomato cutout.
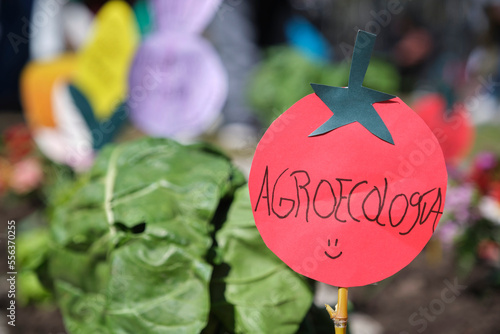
(347, 208)
(348, 185)
(454, 131)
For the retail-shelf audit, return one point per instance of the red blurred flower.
(18, 142)
(489, 250)
(495, 190)
(485, 172)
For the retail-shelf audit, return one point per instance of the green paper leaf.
(355, 103)
(107, 129)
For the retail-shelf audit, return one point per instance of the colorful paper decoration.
(70, 142)
(348, 206)
(187, 16)
(451, 125)
(37, 82)
(102, 131)
(77, 21)
(76, 104)
(143, 15)
(77, 134)
(178, 85)
(104, 63)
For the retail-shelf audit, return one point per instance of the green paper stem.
(355, 103)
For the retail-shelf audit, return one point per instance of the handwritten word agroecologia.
(292, 194)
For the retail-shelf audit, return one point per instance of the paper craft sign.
(104, 63)
(348, 185)
(178, 85)
(187, 16)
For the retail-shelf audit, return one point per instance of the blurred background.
(76, 76)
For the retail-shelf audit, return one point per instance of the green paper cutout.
(143, 16)
(354, 103)
(102, 132)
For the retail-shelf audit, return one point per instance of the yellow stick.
(340, 319)
(339, 315)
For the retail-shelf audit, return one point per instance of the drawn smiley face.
(330, 256)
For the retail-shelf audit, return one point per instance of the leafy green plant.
(32, 244)
(159, 238)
